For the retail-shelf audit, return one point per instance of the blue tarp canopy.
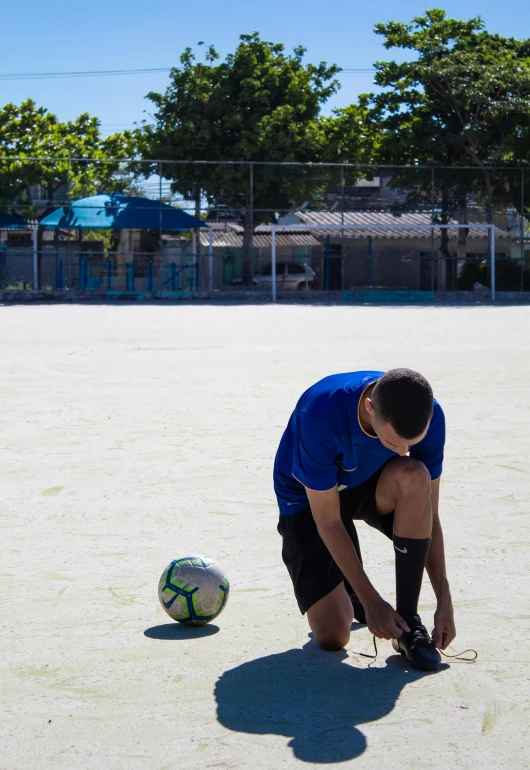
(12, 220)
(121, 212)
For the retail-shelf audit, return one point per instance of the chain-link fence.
(122, 250)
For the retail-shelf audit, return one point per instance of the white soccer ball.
(193, 590)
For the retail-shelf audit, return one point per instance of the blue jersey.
(325, 445)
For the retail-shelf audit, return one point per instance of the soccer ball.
(193, 590)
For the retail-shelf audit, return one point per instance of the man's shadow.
(313, 697)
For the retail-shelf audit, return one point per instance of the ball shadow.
(313, 698)
(176, 631)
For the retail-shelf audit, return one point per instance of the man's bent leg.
(330, 619)
(405, 487)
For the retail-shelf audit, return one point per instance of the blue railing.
(172, 277)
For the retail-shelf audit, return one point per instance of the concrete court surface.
(133, 435)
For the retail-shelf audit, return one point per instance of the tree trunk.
(462, 237)
(247, 248)
(444, 243)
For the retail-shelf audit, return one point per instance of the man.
(365, 445)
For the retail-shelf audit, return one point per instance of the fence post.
(82, 274)
(492, 256)
(273, 261)
(326, 264)
(368, 272)
(150, 267)
(210, 259)
(251, 215)
(523, 253)
(108, 274)
(60, 275)
(173, 276)
(35, 259)
(130, 276)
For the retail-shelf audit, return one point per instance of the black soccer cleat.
(417, 646)
(358, 609)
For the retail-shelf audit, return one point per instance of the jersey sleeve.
(430, 450)
(315, 452)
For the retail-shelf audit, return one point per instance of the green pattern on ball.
(193, 590)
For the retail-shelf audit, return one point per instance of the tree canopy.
(31, 136)
(260, 104)
(463, 98)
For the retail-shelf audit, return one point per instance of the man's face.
(388, 436)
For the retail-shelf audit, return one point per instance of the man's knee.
(412, 476)
(331, 641)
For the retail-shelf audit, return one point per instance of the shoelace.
(458, 656)
(420, 634)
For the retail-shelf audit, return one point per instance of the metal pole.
(194, 245)
(522, 231)
(342, 231)
(210, 259)
(273, 261)
(326, 264)
(251, 203)
(492, 256)
(160, 217)
(342, 199)
(433, 262)
(35, 259)
(197, 240)
(69, 246)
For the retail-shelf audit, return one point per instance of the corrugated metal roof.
(233, 226)
(287, 239)
(379, 218)
(229, 238)
(222, 238)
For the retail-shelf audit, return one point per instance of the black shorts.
(312, 570)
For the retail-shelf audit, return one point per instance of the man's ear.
(369, 405)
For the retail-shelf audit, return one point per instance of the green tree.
(84, 162)
(463, 99)
(259, 104)
(352, 135)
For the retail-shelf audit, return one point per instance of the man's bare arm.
(436, 557)
(444, 627)
(383, 620)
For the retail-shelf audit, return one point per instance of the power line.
(111, 73)
(84, 74)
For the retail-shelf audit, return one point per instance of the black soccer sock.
(411, 555)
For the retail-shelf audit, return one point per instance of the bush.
(473, 270)
(507, 274)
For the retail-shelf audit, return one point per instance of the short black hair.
(403, 398)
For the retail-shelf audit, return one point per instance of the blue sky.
(114, 34)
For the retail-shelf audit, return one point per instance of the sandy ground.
(133, 435)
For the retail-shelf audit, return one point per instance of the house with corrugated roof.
(384, 253)
(380, 253)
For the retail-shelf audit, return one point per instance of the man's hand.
(444, 624)
(383, 621)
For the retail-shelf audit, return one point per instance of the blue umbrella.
(121, 212)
